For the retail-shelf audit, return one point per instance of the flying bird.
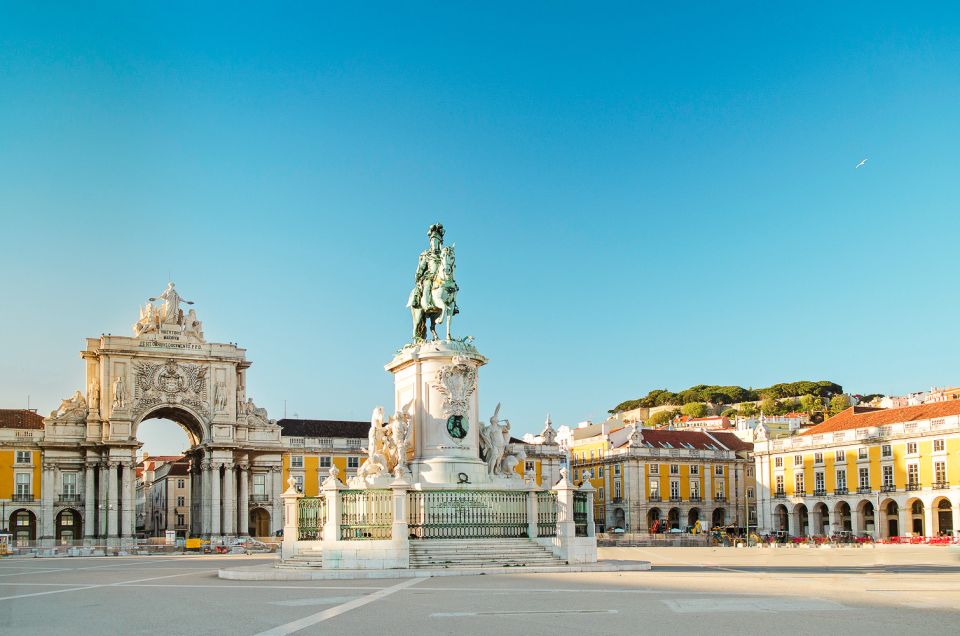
(862, 162)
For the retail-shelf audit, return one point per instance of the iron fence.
(366, 514)
(467, 514)
(580, 513)
(311, 518)
(546, 514)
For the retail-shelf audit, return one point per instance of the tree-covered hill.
(731, 394)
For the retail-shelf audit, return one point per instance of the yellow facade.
(8, 469)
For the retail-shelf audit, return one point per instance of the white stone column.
(47, 488)
(243, 501)
(814, 519)
(927, 519)
(215, 499)
(229, 500)
(905, 521)
(857, 524)
(955, 505)
(89, 501)
(127, 522)
(112, 501)
(103, 503)
(206, 519)
(793, 523)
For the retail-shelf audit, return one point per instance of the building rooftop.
(864, 416)
(323, 428)
(20, 418)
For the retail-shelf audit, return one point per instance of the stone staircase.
(306, 559)
(480, 553)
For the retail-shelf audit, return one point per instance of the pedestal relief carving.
(456, 383)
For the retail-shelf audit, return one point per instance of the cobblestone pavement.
(896, 589)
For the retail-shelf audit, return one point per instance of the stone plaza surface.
(891, 589)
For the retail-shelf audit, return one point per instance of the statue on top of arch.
(168, 316)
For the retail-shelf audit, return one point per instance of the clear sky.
(642, 195)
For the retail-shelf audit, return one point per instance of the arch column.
(89, 500)
(206, 518)
(103, 501)
(46, 504)
(127, 520)
(215, 499)
(905, 520)
(856, 519)
(793, 522)
(928, 512)
(112, 499)
(229, 499)
(243, 501)
(814, 520)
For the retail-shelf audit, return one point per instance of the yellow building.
(882, 472)
(20, 470)
(646, 478)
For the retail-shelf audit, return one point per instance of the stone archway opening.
(802, 520)
(69, 526)
(191, 425)
(653, 519)
(719, 518)
(916, 518)
(889, 519)
(23, 527)
(673, 518)
(943, 517)
(780, 520)
(693, 517)
(259, 522)
(619, 518)
(844, 520)
(867, 517)
(167, 490)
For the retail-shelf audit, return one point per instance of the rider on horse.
(422, 302)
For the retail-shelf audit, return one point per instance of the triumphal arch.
(168, 370)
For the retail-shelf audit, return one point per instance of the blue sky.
(642, 195)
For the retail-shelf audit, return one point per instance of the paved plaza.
(895, 589)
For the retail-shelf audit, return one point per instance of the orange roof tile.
(864, 416)
(20, 418)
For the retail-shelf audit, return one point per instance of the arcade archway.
(259, 523)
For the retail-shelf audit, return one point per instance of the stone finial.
(332, 482)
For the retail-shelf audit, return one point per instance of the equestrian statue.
(434, 294)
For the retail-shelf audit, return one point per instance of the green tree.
(811, 404)
(731, 413)
(770, 406)
(694, 409)
(839, 403)
(660, 418)
(749, 409)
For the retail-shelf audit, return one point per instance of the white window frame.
(68, 483)
(296, 461)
